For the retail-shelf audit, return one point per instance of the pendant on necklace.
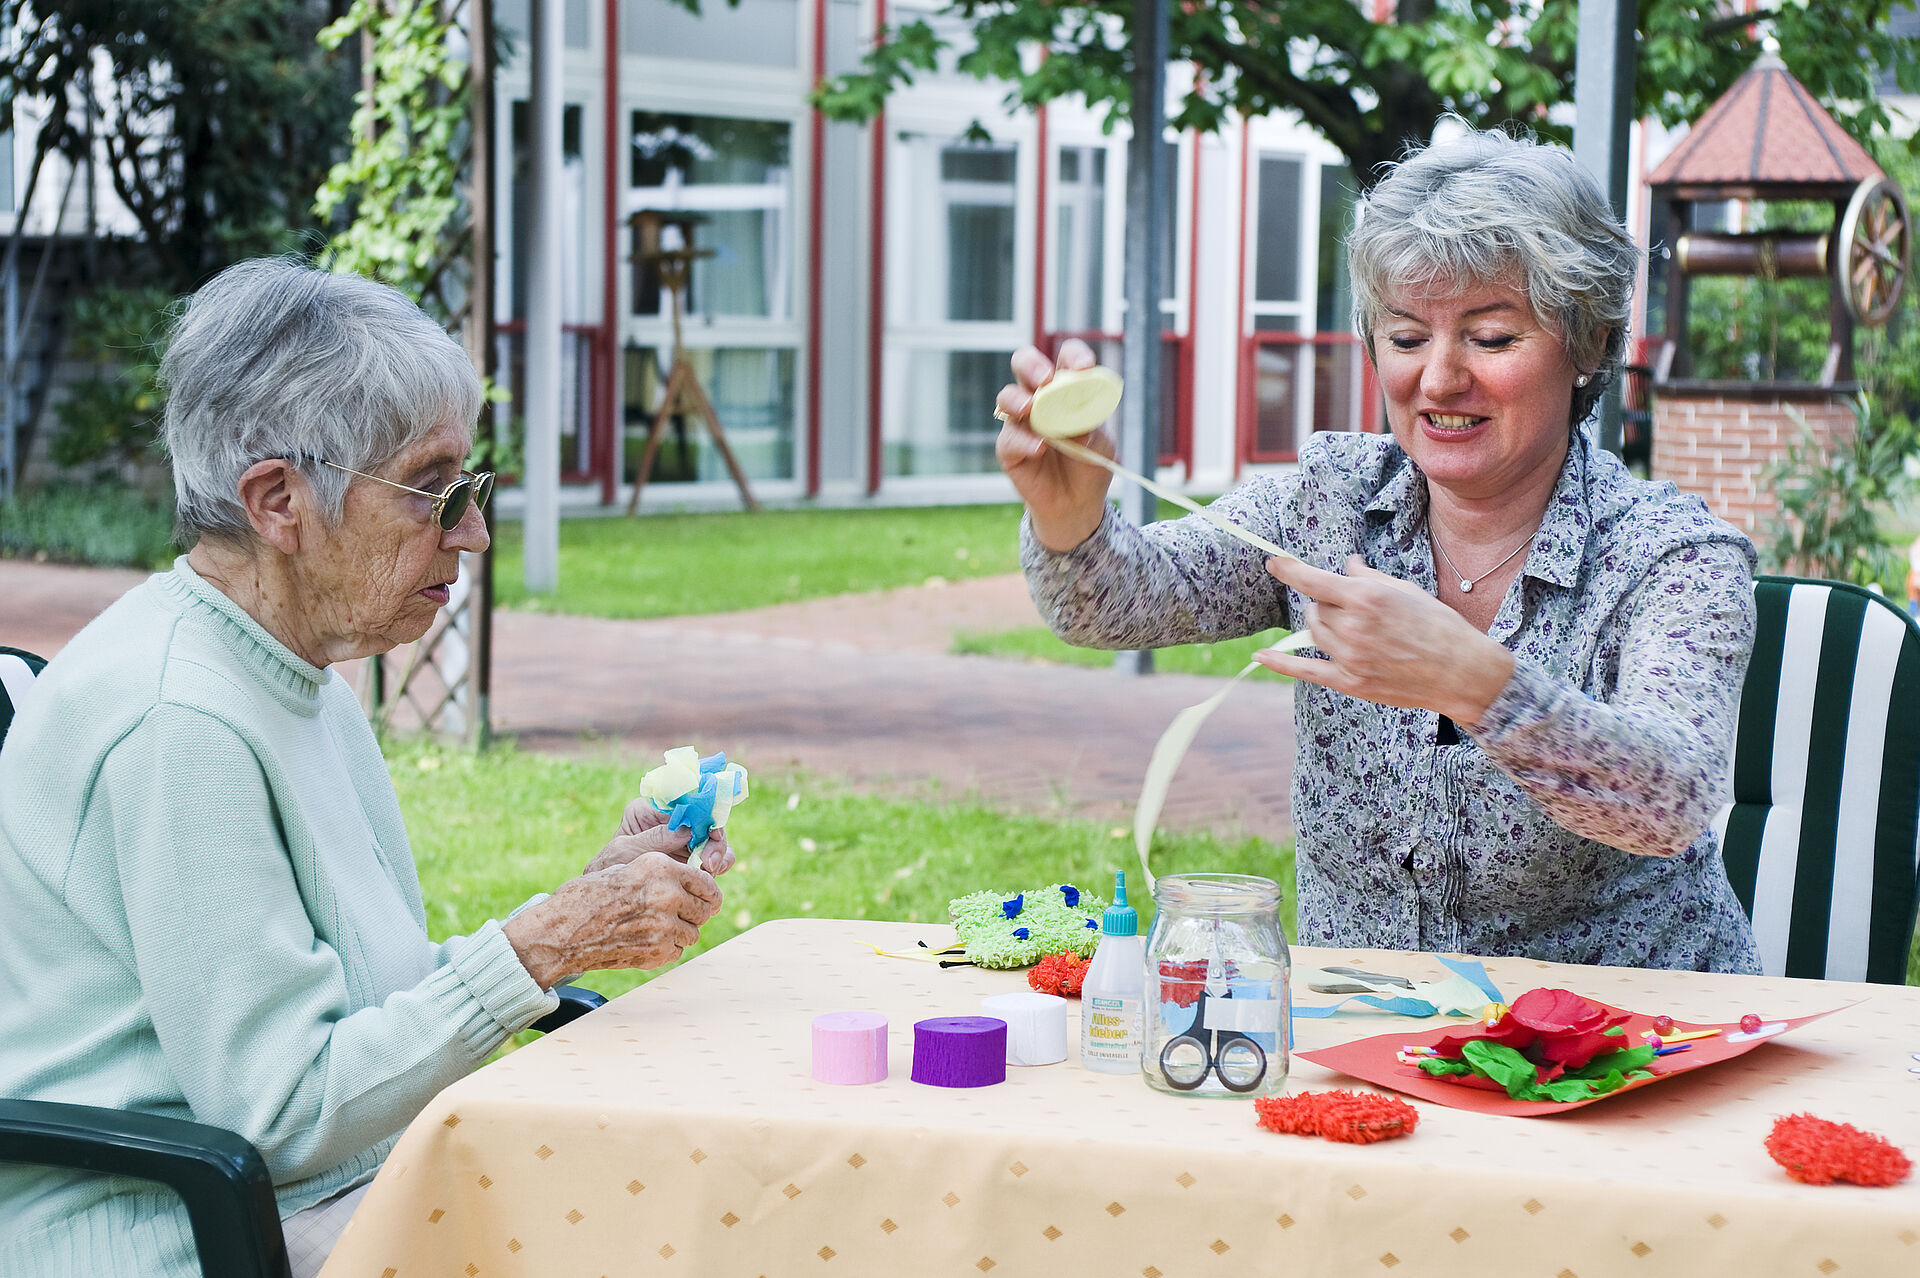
(1466, 587)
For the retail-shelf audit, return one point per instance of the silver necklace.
(1468, 583)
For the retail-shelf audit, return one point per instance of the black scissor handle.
(1224, 1045)
(1206, 1062)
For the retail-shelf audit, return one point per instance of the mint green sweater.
(209, 910)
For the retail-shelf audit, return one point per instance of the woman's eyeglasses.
(449, 507)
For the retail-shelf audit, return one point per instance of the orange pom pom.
(1817, 1152)
(1059, 974)
(1352, 1118)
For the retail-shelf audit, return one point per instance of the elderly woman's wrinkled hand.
(639, 914)
(644, 829)
(1388, 641)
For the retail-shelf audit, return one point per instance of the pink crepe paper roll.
(960, 1051)
(850, 1047)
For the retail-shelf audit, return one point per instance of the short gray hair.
(272, 358)
(1487, 207)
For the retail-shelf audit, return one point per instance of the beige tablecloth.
(677, 1131)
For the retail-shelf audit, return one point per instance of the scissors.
(1230, 1055)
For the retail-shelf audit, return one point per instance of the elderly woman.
(212, 909)
(1519, 720)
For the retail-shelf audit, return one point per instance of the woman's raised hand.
(643, 828)
(1066, 498)
(1389, 641)
(640, 913)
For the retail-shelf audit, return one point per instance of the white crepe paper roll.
(1036, 1026)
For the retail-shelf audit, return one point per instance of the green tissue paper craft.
(1006, 930)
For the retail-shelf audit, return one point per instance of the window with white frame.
(736, 176)
(952, 300)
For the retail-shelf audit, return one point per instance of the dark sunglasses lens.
(454, 504)
(483, 489)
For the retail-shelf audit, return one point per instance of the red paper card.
(1376, 1060)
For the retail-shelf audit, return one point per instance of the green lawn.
(1037, 643)
(680, 565)
(490, 830)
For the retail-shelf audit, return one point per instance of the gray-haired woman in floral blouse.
(1518, 720)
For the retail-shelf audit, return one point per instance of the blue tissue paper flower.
(1022, 933)
(1070, 894)
(1012, 908)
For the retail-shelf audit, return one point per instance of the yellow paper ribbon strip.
(1082, 453)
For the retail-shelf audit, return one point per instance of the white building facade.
(869, 283)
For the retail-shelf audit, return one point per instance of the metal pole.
(1148, 215)
(544, 267)
(1602, 117)
(480, 319)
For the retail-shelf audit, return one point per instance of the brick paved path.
(859, 687)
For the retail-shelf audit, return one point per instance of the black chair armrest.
(575, 1002)
(220, 1176)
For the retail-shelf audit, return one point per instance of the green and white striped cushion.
(17, 671)
(1822, 840)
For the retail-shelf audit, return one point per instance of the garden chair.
(219, 1175)
(1822, 839)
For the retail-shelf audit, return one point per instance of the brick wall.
(1720, 446)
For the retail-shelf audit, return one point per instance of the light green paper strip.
(1172, 748)
(1220, 521)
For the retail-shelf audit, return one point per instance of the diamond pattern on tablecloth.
(856, 1162)
(1389, 1260)
(1185, 1180)
(486, 1181)
(473, 1270)
(573, 1216)
(1219, 1247)
(433, 1217)
(451, 1120)
(887, 1226)
(1459, 1235)
(1717, 1221)
(983, 1264)
(950, 1198)
(729, 1220)
(1640, 1249)
(666, 1251)
(1908, 1237)
(1018, 1169)
(791, 1191)
(698, 1156)
(1114, 1209)
(1284, 1221)
(826, 1253)
(1533, 1206)
(1566, 1273)
(1356, 1193)
(634, 1187)
(514, 1245)
(1050, 1233)
(543, 1153)
(1150, 1272)
(1826, 1266)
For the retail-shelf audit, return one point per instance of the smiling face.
(376, 579)
(1478, 391)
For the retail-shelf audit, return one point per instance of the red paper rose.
(1555, 1029)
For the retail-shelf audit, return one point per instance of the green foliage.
(490, 830)
(215, 118)
(1372, 88)
(104, 524)
(1037, 643)
(1833, 495)
(410, 142)
(676, 565)
(114, 415)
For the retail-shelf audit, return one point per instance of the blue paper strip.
(1474, 971)
(1398, 1006)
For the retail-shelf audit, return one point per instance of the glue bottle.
(1112, 995)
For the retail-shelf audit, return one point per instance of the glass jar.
(1217, 987)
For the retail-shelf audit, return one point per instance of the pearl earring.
(1583, 379)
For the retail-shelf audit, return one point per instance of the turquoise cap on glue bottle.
(1120, 919)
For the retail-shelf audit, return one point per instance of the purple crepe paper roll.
(960, 1051)
(850, 1047)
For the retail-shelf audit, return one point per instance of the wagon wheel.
(1876, 235)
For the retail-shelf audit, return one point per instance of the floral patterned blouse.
(1572, 823)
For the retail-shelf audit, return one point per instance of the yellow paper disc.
(1075, 402)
